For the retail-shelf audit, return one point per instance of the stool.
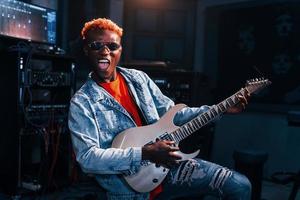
(288, 177)
(296, 186)
(250, 163)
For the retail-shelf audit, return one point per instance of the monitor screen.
(27, 21)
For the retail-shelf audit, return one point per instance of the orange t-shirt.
(119, 90)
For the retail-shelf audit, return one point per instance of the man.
(114, 99)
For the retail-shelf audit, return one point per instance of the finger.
(244, 106)
(169, 142)
(247, 94)
(243, 99)
(174, 148)
(175, 155)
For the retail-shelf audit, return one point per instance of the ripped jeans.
(197, 177)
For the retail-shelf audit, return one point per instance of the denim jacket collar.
(97, 93)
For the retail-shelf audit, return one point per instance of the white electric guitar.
(150, 175)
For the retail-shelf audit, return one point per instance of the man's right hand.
(161, 153)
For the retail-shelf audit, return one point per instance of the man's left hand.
(243, 101)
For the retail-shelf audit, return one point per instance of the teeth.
(103, 61)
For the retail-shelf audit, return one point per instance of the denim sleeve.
(188, 113)
(162, 102)
(91, 157)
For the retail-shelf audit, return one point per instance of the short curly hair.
(100, 24)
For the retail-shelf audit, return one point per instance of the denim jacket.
(95, 118)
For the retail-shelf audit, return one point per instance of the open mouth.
(103, 64)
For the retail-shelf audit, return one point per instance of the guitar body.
(149, 176)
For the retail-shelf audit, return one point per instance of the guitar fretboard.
(206, 117)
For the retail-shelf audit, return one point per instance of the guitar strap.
(139, 110)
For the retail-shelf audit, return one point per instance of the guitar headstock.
(254, 85)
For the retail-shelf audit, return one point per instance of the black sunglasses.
(96, 45)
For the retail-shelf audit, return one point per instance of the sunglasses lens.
(96, 46)
(99, 45)
(113, 46)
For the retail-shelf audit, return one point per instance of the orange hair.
(101, 24)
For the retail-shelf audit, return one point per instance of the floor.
(273, 191)
(88, 191)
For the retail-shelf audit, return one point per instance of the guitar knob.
(155, 180)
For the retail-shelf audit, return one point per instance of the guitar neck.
(206, 117)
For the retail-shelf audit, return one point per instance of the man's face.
(103, 49)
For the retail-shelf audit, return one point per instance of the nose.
(104, 51)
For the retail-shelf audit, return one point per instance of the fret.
(181, 135)
(221, 106)
(162, 137)
(236, 98)
(215, 113)
(190, 127)
(231, 101)
(175, 134)
(173, 138)
(211, 113)
(217, 109)
(169, 137)
(186, 130)
(198, 122)
(194, 125)
(166, 136)
(182, 131)
(178, 135)
(203, 119)
(207, 116)
(227, 103)
(242, 92)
